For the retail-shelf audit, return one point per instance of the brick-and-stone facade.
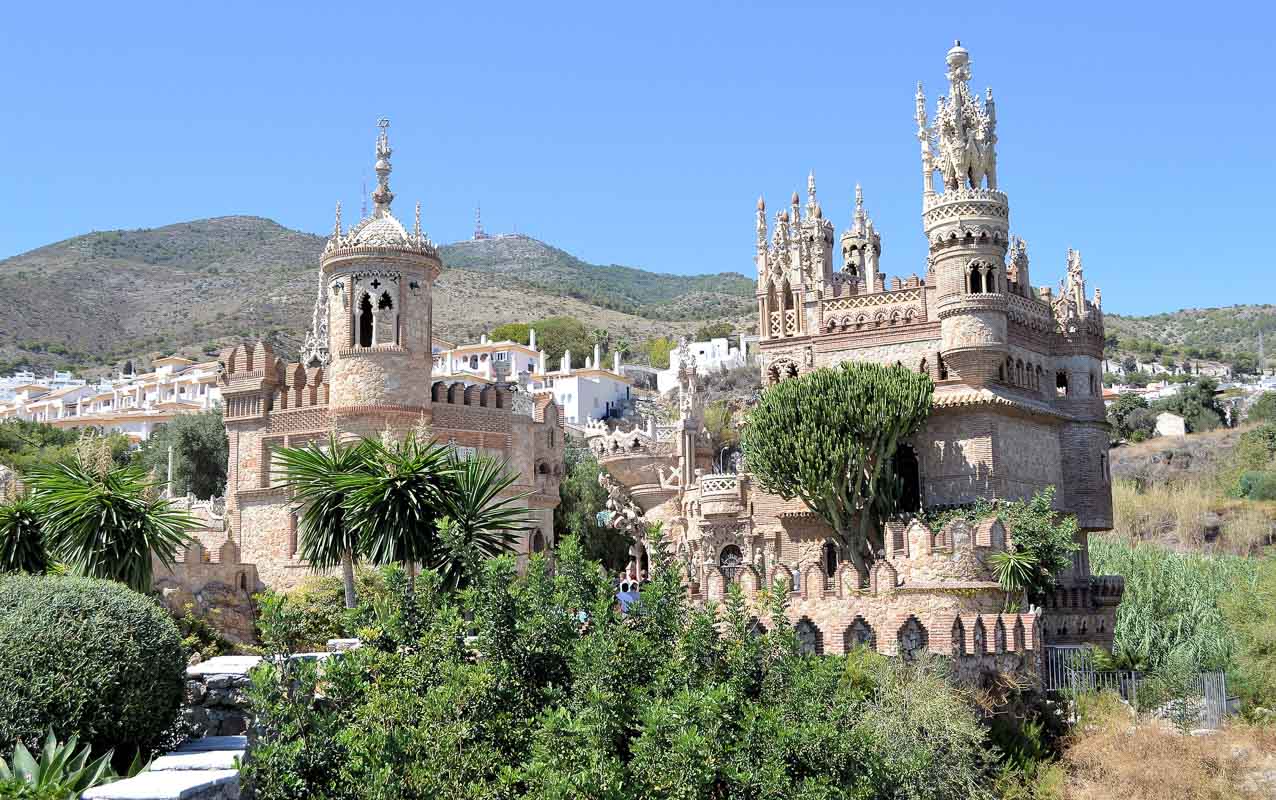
(1018, 408)
(366, 371)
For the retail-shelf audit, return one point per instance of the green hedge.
(85, 656)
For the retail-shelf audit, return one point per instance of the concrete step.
(171, 785)
(198, 759)
(214, 743)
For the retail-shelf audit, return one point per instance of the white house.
(9, 384)
(711, 356)
(486, 361)
(591, 393)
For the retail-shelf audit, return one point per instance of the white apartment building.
(131, 404)
(481, 362)
(9, 384)
(591, 393)
(711, 356)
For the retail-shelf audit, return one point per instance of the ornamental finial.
(336, 225)
(416, 230)
(383, 197)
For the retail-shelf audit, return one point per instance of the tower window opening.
(1061, 384)
(365, 321)
(976, 281)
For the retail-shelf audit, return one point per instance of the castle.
(366, 371)
(1017, 408)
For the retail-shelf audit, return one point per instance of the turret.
(862, 248)
(378, 281)
(967, 225)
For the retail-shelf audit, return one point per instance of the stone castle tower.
(375, 300)
(1017, 409)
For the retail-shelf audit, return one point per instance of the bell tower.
(376, 284)
(967, 222)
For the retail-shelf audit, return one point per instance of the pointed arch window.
(365, 321)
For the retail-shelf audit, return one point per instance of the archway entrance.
(909, 471)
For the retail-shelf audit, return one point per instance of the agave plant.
(63, 769)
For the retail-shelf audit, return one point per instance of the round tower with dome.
(377, 285)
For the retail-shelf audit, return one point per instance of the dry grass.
(1173, 514)
(1116, 757)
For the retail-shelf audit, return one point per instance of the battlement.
(458, 393)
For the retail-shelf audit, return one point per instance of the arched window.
(1019, 373)
(976, 281)
(365, 321)
(538, 541)
(809, 639)
(730, 561)
(788, 294)
(912, 639)
(959, 638)
(943, 368)
(860, 633)
(828, 559)
(1061, 384)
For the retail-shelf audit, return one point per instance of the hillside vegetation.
(193, 287)
(1228, 334)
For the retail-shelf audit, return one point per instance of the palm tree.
(396, 497)
(21, 540)
(480, 523)
(105, 521)
(317, 477)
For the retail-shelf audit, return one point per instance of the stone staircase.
(202, 769)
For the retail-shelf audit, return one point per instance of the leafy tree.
(720, 426)
(1131, 418)
(22, 546)
(1195, 403)
(105, 521)
(714, 330)
(200, 450)
(1129, 364)
(1048, 539)
(519, 332)
(1263, 409)
(556, 335)
(829, 438)
(25, 444)
(657, 351)
(317, 476)
(581, 500)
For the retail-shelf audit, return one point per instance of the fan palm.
(1013, 569)
(105, 521)
(21, 540)
(395, 498)
(480, 523)
(316, 475)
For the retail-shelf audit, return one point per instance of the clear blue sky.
(643, 133)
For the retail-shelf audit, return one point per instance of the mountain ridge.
(95, 300)
(92, 301)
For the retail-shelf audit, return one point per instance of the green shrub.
(88, 657)
(1257, 485)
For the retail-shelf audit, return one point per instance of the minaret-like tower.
(378, 280)
(862, 248)
(967, 225)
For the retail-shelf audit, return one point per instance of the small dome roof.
(379, 231)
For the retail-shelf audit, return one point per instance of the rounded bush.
(85, 656)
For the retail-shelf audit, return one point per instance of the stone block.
(198, 760)
(214, 743)
(172, 785)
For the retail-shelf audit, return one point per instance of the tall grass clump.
(1163, 512)
(1171, 601)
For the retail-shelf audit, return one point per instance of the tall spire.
(336, 225)
(383, 197)
(416, 230)
(761, 224)
(811, 202)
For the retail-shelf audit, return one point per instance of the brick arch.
(958, 638)
(810, 637)
(912, 639)
(859, 632)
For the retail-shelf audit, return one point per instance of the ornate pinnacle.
(336, 226)
(810, 190)
(416, 230)
(383, 197)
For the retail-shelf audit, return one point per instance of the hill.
(1219, 333)
(193, 287)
